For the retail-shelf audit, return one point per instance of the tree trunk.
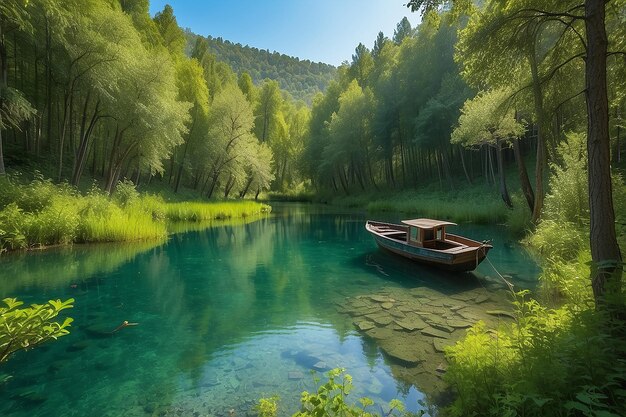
(504, 191)
(606, 272)
(523, 175)
(4, 74)
(541, 143)
(467, 177)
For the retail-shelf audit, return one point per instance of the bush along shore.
(39, 213)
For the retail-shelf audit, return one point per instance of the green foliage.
(302, 78)
(268, 407)
(190, 211)
(27, 328)
(550, 362)
(468, 205)
(125, 193)
(331, 400)
(568, 199)
(62, 215)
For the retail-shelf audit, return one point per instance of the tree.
(14, 108)
(487, 120)
(403, 30)
(230, 125)
(576, 16)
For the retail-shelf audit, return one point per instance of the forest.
(489, 112)
(303, 79)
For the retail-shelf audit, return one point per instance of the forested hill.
(301, 78)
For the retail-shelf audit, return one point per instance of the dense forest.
(104, 88)
(302, 79)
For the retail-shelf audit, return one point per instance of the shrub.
(551, 362)
(331, 400)
(125, 193)
(27, 328)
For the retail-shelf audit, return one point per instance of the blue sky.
(319, 30)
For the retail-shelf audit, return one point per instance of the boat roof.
(427, 223)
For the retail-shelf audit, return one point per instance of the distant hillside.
(301, 78)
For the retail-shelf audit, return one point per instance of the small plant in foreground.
(27, 328)
(330, 400)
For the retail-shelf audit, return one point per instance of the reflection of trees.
(218, 286)
(64, 266)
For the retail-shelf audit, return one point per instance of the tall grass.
(198, 211)
(40, 213)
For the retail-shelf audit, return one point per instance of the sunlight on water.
(225, 316)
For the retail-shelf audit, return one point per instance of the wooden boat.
(426, 241)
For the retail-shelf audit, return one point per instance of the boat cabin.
(427, 233)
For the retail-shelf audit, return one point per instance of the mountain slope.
(301, 78)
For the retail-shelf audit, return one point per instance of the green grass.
(199, 211)
(40, 213)
(477, 204)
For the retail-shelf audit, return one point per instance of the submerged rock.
(412, 323)
(295, 375)
(381, 319)
(429, 331)
(364, 325)
(501, 313)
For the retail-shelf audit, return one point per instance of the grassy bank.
(40, 213)
(476, 204)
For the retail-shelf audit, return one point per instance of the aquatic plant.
(27, 328)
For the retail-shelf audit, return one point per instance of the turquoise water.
(225, 316)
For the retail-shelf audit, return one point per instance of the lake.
(225, 316)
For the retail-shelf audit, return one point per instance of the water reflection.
(226, 315)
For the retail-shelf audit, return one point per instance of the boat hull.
(465, 260)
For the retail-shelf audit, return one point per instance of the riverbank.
(41, 214)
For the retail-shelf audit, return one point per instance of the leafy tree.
(14, 107)
(230, 135)
(403, 30)
(587, 21)
(487, 120)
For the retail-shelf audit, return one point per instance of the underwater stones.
(382, 299)
(442, 368)
(441, 326)
(429, 331)
(321, 366)
(387, 305)
(382, 319)
(380, 333)
(440, 344)
(364, 325)
(481, 298)
(469, 315)
(411, 323)
(458, 323)
(295, 375)
(404, 353)
(424, 292)
(501, 313)
(210, 382)
(239, 363)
